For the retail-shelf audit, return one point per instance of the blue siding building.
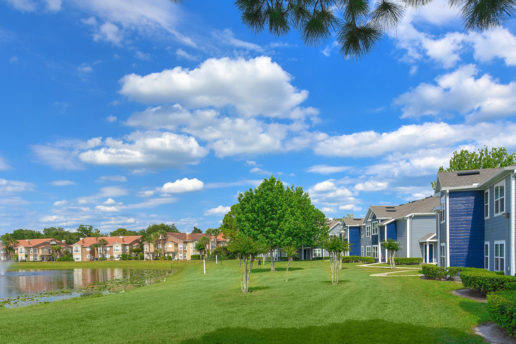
(476, 219)
(352, 231)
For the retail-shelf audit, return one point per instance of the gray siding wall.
(498, 227)
(419, 227)
(401, 226)
(441, 237)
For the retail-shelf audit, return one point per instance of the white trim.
(441, 254)
(488, 191)
(488, 254)
(438, 226)
(447, 229)
(500, 211)
(408, 236)
(499, 242)
(513, 224)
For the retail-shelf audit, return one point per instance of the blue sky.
(127, 113)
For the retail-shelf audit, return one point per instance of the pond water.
(27, 286)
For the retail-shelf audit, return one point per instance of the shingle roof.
(333, 223)
(421, 206)
(466, 178)
(38, 242)
(427, 237)
(352, 222)
(86, 242)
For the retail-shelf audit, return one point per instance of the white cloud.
(111, 119)
(182, 185)
(220, 210)
(227, 37)
(53, 5)
(326, 169)
(185, 55)
(147, 149)
(371, 185)
(51, 218)
(120, 179)
(60, 203)
(145, 17)
(108, 209)
(14, 186)
(258, 170)
(350, 207)
(85, 68)
(253, 87)
(62, 183)
(409, 138)
(109, 201)
(461, 92)
(63, 154)
(23, 5)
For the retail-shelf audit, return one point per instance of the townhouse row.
(177, 246)
(470, 221)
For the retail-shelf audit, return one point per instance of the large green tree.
(21, 234)
(357, 24)
(9, 242)
(123, 232)
(162, 227)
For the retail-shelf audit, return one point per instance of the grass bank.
(191, 308)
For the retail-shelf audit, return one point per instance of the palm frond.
(416, 3)
(387, 14)
(483, 14)
(277, 17)
(357, 40)
(355, 9)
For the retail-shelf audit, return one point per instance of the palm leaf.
(319, 26)
(387, 14)
(356, 8)
(483, 14)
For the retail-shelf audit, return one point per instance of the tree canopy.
(357, 24)
(123, 232)
(162, 227)
(196, 230)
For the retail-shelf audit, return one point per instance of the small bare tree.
(392, 246)
(335, 247)
(202, 247)
(291, 252)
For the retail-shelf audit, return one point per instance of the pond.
(29, 286)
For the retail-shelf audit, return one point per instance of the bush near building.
(408, 261)
(502, 309)
(487, 281)
(358, 259)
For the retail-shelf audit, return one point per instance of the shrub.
(67, 258)
(195, 257)
(125, 257)
(431, 271)
(502, 309)
(358, 259)
(169, 257)
(102, 258)
(487, 281)
(408, 261)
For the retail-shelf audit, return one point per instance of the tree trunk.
(272, 261)
(204, 264)
(288, 265)
(216, 259)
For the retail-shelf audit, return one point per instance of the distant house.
(3, 252)
(411, 224)
(87, 249)
(180, 246)
(38, 250)
(351, 228)
(476, 226)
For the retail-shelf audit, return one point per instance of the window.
(375, 251)
(443, 255)
(362, 251)
(116, 248)
(375, 228)
(499, 202)
(180, 246)
(486, 204)
(443, 208)
(499, 256)
(368, 251)
(368, 230)
(180, 256)
(317, 252)
(486, 255)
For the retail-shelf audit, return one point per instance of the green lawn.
(191, 308)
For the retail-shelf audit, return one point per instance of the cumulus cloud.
(253, 87)
(462, 92)
(182, 185)
(371, 185)
(62, 182)
(23, 5)
(146, 149)
(63, 155)
(411, 137)
(60, 203)
(220, 210)
(120, 179)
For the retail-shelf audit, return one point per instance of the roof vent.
(391, 210)
(467, 173)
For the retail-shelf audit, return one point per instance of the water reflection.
(30, 282)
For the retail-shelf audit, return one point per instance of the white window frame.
(443, 208)
(487, 204)
(486, 257)
(498, 259)
(374, 228)
(500, 199)
(375, 251)
(368, 251)
(442, 258)
(362, 251)
(368, 230)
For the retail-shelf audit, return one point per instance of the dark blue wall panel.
(466, 228)
(391, 231)
(374, 239)
(354, 240)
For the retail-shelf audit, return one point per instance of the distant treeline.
(84, 231)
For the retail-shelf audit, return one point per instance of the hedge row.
(502, 309)
(487, 281)
(195, 257)
(435, 272)
(358, 259)
(408, 261)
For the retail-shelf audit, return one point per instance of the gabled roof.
(421, 206)
(429, 237)
(385, 211)
(127, 240)
(187, 236)
(352, 222)
(466, 179)
(333, 223)
(39, 242)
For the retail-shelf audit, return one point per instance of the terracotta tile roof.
(39, 242)
(130, 239)
(187, 236)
